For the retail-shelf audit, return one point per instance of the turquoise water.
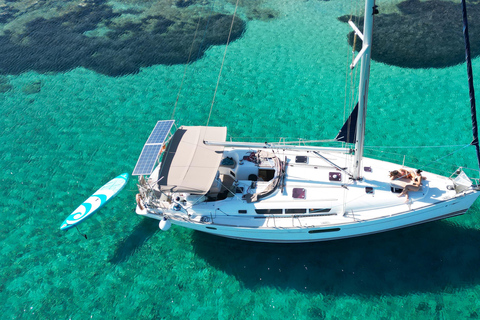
(284, 78)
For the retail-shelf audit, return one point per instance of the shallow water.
(285, 77)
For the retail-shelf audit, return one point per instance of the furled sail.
(470, 81)
(347, 133)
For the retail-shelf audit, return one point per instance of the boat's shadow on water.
(438, 256)
(135, 240)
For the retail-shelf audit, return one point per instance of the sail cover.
(188, 164)
(349, 129)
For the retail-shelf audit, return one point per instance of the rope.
(190, 53)
(223, 61)
(205, 33)
(185, 70)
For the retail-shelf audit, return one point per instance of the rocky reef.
(93, 35)
(424, 34)
(5, 85)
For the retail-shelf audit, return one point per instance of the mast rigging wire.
(223, 62)
(185, 70)
(190, 53)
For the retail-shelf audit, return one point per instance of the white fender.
(164, 224)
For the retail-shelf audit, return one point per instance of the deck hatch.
(301, 159)
(335, 176)
(298, 193)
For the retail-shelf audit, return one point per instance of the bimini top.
(188, 164)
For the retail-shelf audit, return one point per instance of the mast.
(470, 82)
(365, 55)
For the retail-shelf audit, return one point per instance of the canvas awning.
(188, 164)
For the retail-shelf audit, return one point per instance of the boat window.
(269, 211)
(369, 190)
(242, 211)
(318, 210)
(324, 230)
(295, 210)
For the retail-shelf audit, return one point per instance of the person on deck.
(414, 186)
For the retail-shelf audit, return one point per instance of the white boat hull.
(441, 210)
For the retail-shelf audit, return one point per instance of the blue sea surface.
(65, 134)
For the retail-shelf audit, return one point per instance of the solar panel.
(151, 149)
(160, 132)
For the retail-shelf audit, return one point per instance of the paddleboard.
(95, 202)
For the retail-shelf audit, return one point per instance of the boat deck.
(315, 200)
(317, 194)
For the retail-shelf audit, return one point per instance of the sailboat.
(281, 193)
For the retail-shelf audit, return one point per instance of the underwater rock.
(425, 35)
(184, 3)
(131, 11)
(68, 41)
(33, 87)
(5, 85)
(262, 14)
(7, 13)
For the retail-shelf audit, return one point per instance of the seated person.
(414, 186)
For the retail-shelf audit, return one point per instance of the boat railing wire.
(412, 160)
